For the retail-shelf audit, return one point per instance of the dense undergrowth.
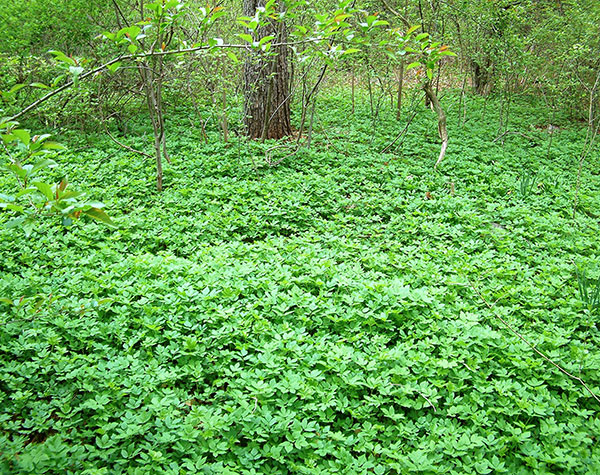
(314, 317)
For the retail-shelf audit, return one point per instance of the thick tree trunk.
(482, 80)
(266, 84)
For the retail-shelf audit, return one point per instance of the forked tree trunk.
(266, 84)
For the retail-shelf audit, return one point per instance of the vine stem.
(532, 346)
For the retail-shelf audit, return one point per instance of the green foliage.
(589, 289)
(310, 318)
(428, 53)
(28, 156)
(32, 25)
(527, 184)
(542, 47)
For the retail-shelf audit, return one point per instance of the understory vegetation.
(272, 237)
(338, 312)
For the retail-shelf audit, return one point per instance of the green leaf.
(57, 80)
(416, 64)
(265, 39)
(12, 207)
(412, 29)
(233, 57)
(13, 223)
(53, 146)
(26, 191)
(45, 189)
(215, 42)
(41, 138)
(62, 57)
(28, 226)
(482, 467)
(7, 138)
(17, 169)
(246, 37)
(75, 72)
(43, 164)
(70, 195)
(113, 67)
(15, 88)
(128, 33)
(380, 23)
(23, 135)
(99, 215)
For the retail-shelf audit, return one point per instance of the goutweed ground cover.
(315, 317)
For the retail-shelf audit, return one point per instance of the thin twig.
(403, 131)
(125, 146)
(504, 134)
(427, 399)
(396, 13)
(532, 346)
(324, 132)
(269, 153)
(104, 120)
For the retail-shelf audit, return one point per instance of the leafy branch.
(27, 156)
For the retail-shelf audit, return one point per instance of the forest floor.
(318, 316)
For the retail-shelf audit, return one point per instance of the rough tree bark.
(482, 77)
(266, 84)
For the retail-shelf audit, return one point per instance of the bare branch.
(396, 13)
